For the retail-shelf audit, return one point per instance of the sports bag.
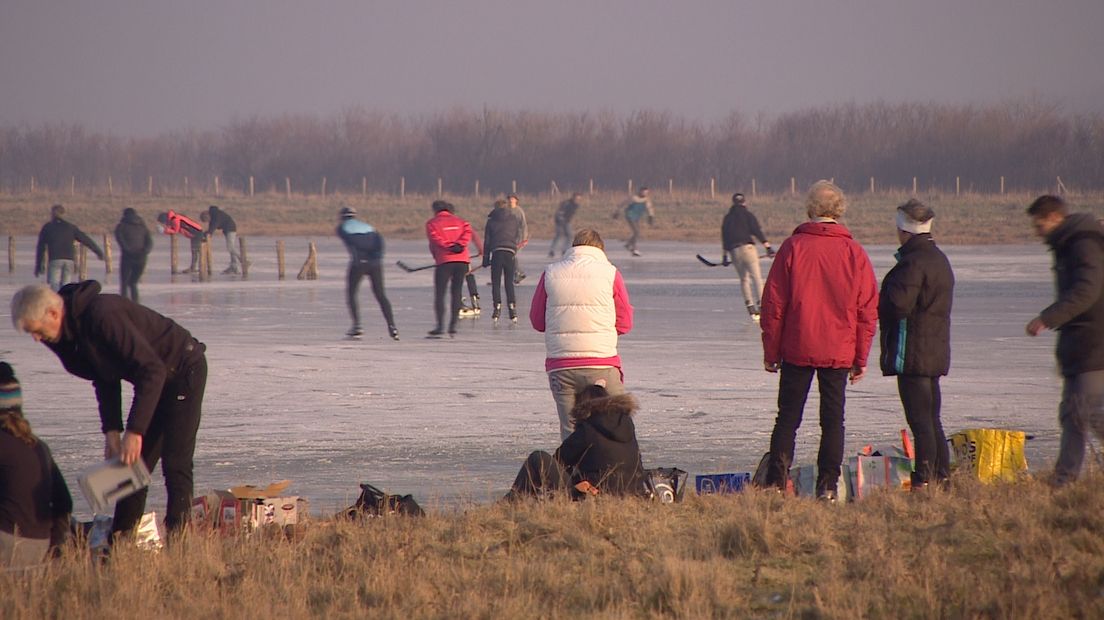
(375, 503)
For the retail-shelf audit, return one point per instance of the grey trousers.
(746, 260)
(234, 250)
(17, 552)
(566, 383)
(1082, 397)
(61, 272)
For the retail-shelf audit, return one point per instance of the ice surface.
(289, 397)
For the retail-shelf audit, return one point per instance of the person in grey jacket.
(135, 243)
(506, 232)
(56, 239)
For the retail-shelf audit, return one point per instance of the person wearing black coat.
(601, 453)
(135, 244)
(56, 239)
(1077, 241)
(109, 339)
(739, 230)
(365, 246)
(34, 500)
(217, 220)
(504, 235)
(914, 314)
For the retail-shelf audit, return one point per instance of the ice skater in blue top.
(365, 246)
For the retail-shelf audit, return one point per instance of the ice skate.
(497, 312)
(753, 312)
(436, 333)
(394, 331)
(513, 314)
(354, 333)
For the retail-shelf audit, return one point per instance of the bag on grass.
(992, 454)
(665, 484)
(375, 503)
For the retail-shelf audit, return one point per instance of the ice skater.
(449, 236)
(135, 243)
(562, 222)
(217, 220)
(739, 230)
(365, 246)
(504, 235)
(173, 223)
(56, 239)
(639, 207)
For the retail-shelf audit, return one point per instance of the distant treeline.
(1029, 144)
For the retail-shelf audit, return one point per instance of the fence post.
(149, 185)
(793, 186)
(913, 186)
(250, 186)
(958, 185)
(440, 186)
(11, 254)
(287, 187)
(753, 187)
(244, 258)
(364, 186)
(1061, 186)
(712, 187)
(72, 186)
(513, 186)
(107, 253)
(185, 186)
(630, 187)
(174, 258)
(217, 189)
(207, 259)
(402, 187)
(1002, 186)
(477, 188)
(82, 269)
(323, 187)
(670, 187)
(592, 187)
(280, 259)
(32, 185)
(110, 186)
(554, 190)
(871, 185)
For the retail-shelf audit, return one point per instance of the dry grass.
(1000, 551)
(969, 218)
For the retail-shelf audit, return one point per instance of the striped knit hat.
(11, 397)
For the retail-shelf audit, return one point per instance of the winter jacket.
(107, 339)
(57, 237)
(739, 227)
(638, 207)
(177, 223)
(133, 236)
(445, 229)
(32, 490)
(1078, 314)
(566, 212)
(219, 220)
(363, 241)
(914, 311)
(603, 449)
(581, 304)
(820, 302)
(506, 229)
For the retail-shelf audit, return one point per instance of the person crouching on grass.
(34, 499)
(601, 456)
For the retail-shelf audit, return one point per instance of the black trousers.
(473, 290)
(540, 476)
(793, 391)
(130, 271)
(451, 276)
(922, 401)
(503, 262)
(374, 271)
(170, 439)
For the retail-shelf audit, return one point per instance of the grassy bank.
(1003, 551)
(965, 219)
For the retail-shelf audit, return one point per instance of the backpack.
(375, 503)
(665, 484)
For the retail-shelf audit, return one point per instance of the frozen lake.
(447, 420)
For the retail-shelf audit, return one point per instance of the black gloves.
(487, 259)
(456, 248)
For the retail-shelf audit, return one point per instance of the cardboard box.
(247, 507)
(804, 477)
(708, 484)
(104, 484)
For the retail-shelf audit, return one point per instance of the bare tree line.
(1029, 144)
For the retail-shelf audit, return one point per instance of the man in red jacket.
(820, 308)
(449, 237)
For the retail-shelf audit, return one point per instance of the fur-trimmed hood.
(610, 416)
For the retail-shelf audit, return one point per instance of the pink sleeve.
(538, 306)
(624, 323)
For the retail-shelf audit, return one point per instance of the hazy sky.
(146, 66)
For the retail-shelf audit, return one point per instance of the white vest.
(580, 316)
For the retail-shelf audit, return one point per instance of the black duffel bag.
(375, 503)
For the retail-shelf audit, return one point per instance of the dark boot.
(497, 312)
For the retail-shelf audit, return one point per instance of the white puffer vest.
(580, 317)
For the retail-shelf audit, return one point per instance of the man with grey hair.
(914, 313)
(819, 312)
(109, 339)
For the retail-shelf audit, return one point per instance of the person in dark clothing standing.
(739, 230)
(57, 238)
(562, 221)
(34, 499)
(177, 223)
(365, 246)
(109, 339)
(1077, 241)
(914, 314)
(217, 220)
(448, 237)
(601, 453)
(502, 238)
(136, 244)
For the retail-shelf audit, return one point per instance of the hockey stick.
(409, 269)
(708, 263)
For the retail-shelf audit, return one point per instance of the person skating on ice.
(449, 236)
(365, 246)
(739, 230)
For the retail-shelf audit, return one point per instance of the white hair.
(825, 199)
(31, 302)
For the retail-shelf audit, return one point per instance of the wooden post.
(513, 186)
(323, 187)
(1061, 186)
(11, 254)
(250, 186)
(712, 187)
(670, 187)
(244, 258)
(149, 185)
(439, 187)
(110, 187)
(592, 187)
(402, 187)
(83, 268)
(287, 187)
(280, 259)
(309, 270)
(553, 189)
(72, 186)
(913, 186)
(107, 253)
(1002, 186)
(753, 187)
(958, 186)
(208, 258)
(477, 188)
(174, 256)
(630, 187)
(793, 186)
(32, 185)
(204, 261)
(364, 186)
(871, 185)
(186, 186)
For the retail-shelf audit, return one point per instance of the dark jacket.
(738, 228)
(602, 449)
(219, 220)
(1078, 315)
(566, 211)
(57, 236)
(364, 242)
(914, 311)
(133, 236)
(32, 490)
(107, 339)
(505, 229)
